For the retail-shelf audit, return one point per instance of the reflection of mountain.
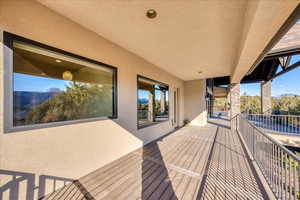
(143, 101)
(25, 100)
(288, 95)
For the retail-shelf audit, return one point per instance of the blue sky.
(23, 82)
(143, 94)
(286, 83)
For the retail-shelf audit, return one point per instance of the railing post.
(236, 123)
(253, 138)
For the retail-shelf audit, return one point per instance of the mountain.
(24, 100)
(143, 101)
(289, 95)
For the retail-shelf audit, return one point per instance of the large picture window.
(50, 86)
(153, 102)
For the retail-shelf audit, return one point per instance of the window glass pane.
(161, 104)
(153, 102)
(144, 112)
(52, 87)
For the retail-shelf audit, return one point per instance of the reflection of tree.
(220, 104)
(158, 108)
(77, 102)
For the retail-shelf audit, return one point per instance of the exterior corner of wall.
(200, 120)
(1, 95)
(194, 102)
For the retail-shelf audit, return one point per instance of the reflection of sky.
(287, 83)
(23, 82)
(157, 94)
(143, 94)
(284, 84)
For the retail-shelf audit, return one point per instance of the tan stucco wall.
(194, 103)
(72, 151)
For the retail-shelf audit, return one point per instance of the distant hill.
(143, 101)
(25, 100)
(289, 95)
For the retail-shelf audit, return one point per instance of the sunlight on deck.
(191, 163)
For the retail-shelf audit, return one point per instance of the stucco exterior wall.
(72, 151)
(194, 104)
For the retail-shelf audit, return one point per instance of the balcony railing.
(281, 124)
(279, 166)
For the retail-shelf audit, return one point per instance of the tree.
(77, 102)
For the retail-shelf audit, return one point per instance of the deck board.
(191, 163)
(229, 174)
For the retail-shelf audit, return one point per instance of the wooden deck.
(191, 163)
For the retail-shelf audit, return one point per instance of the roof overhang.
(216, 38)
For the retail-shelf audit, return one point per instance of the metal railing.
(279, 166)
(283, 124)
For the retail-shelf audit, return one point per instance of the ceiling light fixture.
(67, 75)
(58, 61)
(151, 13)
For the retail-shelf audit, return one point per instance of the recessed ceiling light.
(151, 13)
(58, 61)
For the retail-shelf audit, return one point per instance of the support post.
(266, 99)
(150, 107)
(228, 100)
(162, 101)
(234, 102)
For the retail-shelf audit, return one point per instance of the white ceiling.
(186, 37)
(217, 37)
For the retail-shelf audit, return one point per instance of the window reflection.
(52, 87)
(153, 102)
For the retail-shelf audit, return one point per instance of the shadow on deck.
(191, 163)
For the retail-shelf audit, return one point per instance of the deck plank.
(229, 175)
(191, 163)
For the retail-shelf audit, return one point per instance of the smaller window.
(153, 102)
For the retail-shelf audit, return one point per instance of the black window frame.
(137, 89)
(8, 39)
